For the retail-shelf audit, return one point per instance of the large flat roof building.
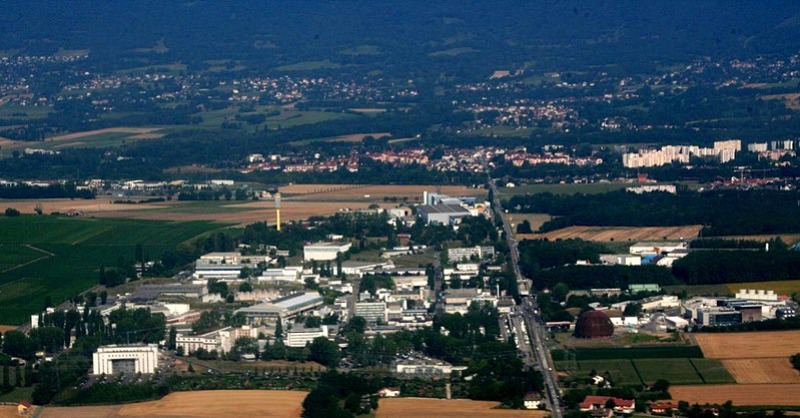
(324, 251)
(442, 214)
(281, 308)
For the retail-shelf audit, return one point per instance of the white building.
(621, 259)
(221, 340)
(760, 295)
(299, 336)
(645, 248)
(324, 251)
(372, 311)
(115, 359)
(660, 302)
(466, 253)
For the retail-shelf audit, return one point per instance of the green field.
(678, 371)
(12, 255)
(79, 246)
(573, 188)
(614, 353)
(700, 289)
(621, 371)
(713, 371)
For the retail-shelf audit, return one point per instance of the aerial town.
(432, 209)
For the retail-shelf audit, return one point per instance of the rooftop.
(433, 209)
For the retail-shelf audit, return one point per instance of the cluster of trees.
(339, 395)
(90, 331)
(538, 255)
(721, 212)
(52, 191)
(717, 267)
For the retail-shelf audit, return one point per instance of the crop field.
(699, 290)
(763, 370)
(299, 203)
(73, 249)
(256, 403)
(14, 256)
(375, 193)
(678, 371)
(713, 371)
(621, 371)
(622, 353)
(587, 188)
(620, 233)
(741, 395)
(749, 344)
(446, 408)
(780, 287)
(90, 139)
(755, 357)
(240, 213)
(535, 219)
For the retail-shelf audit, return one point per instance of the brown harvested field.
(619, 233)
(200, 404)
(762, 370)
(240, 214)
(328, 192)
(300, 202)
(536, 220)
(446, 408)
(64, 205)
(9, 411)
(747, 345)
(741, 395)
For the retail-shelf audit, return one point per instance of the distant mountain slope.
(405, 37)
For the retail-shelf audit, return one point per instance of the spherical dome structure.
(594, 324)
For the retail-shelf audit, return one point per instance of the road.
(529, 314)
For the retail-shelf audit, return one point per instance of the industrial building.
(148, 292)
(281, 308)
(116, 359)
(442, 214)
(324, 251)
(657, 248)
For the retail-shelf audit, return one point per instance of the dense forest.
(549, 263)
(720, 212)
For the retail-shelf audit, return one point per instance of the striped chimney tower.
(278, 210)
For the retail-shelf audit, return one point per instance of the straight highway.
(535, 329)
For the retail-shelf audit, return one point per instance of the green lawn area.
(79, 246)
(713, 371)
(701, 289)
(676, 371)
